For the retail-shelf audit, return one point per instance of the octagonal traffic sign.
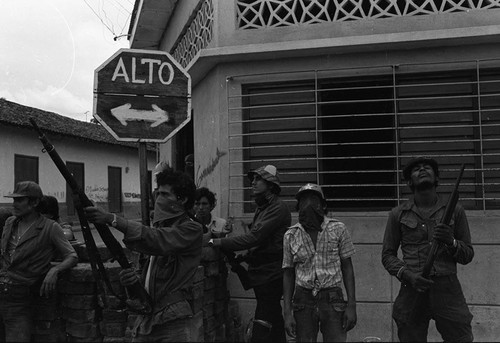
(142, 95)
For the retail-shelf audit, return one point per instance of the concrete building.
(343, 93)
(107, 170)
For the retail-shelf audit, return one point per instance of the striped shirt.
(317, 268)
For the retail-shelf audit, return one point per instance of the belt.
(318, 292)
(14, 289)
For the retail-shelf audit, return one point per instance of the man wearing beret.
(412, 226)
(265, 244)
(29, 243)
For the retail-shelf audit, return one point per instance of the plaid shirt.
(320, 268)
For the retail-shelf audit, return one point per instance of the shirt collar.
(410, 204)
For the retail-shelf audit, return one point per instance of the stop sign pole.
(142, 96)
(143, 176)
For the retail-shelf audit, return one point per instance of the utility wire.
(122, 9)
(108, 22)
(102, 21)
(115, 3)
(106, 16)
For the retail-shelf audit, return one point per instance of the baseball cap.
(268, 173)
(310, 187)
(417, 160)
(26, 189)
(161, 166)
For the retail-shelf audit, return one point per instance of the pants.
(16, 307)
(444, 302)
(321, 312)
(269, 309)
(178, 330)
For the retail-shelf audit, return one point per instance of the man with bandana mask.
(265, 244)
(316, 260)
(411, 226)
(174, 245)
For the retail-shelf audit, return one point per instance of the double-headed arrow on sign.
(126, 113)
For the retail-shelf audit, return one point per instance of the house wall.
(259, 53)
(95, 157)
(376, 290)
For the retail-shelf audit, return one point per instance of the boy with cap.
(316, 261)
(412, 225)
(29, 243)
(265, 242)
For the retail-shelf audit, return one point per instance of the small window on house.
(77, 170)
(115, 189)
(25, 168)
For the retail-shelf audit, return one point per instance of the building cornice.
(207, 59)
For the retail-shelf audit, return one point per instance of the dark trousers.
(321, 312)
(16, 307)
(269, 309)
(444, 302)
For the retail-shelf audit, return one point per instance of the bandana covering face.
(166, 209)
(310, 217)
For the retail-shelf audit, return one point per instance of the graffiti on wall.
(209, 169)
(97, 193)
(132, 195)
(60, 196)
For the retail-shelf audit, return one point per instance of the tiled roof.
(15, 114)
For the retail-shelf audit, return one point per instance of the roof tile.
(15, 114)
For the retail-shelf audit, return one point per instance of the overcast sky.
(50, 49)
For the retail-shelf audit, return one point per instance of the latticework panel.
(255, 14)
(197, 34)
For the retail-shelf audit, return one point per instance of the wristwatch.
(454, 245)
(114, 222)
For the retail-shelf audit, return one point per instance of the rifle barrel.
(138, 295)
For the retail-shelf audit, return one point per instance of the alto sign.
(142, 96)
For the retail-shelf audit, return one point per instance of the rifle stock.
(236, 267)
(137, 298)
(419, 300)
(235, 261)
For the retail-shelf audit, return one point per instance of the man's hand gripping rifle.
(138, 300)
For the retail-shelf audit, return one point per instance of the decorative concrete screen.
(256, 14)
(196, 35)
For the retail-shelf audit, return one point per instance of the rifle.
(236, 267)
(235, 262)
(435, 245)
(138, 299)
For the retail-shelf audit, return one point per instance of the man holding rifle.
(265, 244)
(413, 225)
(174, 243)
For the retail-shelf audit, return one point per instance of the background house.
(107, 170)
(343, 93)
